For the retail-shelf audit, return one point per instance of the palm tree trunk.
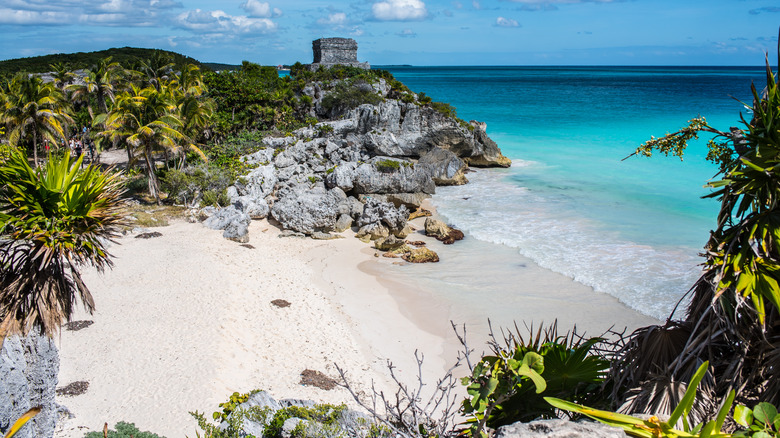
(35, 147)
(154, 185)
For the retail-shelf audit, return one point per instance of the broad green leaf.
(765, 413)
(743, 415)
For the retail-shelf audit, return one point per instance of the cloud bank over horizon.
(421, 32)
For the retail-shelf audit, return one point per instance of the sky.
(416, 32)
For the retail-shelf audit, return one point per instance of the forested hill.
(126, 56)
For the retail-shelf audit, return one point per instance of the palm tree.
(53, 220)
(34, 109)
(733, 319)
(62, 75)
(147, 119)
(100, 82)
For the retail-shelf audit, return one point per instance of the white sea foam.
(647, 278)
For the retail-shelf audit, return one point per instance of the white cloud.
(218, 22)
(475, 4)
(334, 19)
(407, 33)
(399, 10)
(506, 22)
(127, 13)
(22, 17)
(257, 9)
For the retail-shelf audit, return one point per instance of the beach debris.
(75, 326)
(280, 303)
(317, 379)
(390, 255)
(415, 242)
(247, 245)
(420, 212)
(73, 389)
(421, 255)
(149, 235)
(441, 231)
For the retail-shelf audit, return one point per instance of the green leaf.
(534, 361)
(765, 413)
(535, 377)
(724, 410)
(743, 415)
(690, 394)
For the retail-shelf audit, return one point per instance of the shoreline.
(185, 319)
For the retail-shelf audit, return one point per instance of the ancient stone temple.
(336, 51)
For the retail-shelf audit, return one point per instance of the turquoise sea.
(632, 229)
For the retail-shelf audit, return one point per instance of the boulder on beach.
(421, 255)
(441, 231)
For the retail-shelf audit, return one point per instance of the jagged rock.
(237, 231)
(234, 223)
(379, 219)
(343, 223)
(421, 255)
(258, 183)
(28, 377)
(389, 243)
(559, 429)
(260, 399)
(486, 152)
(255, 208)
(380, 177)
(318, 235)
(411, 201)
(372, 231)
(445, 167)
(420, 212)
(308, 210)
(262, 157)
(441, 231)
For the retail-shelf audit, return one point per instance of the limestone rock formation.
(421, 255)
(441, 231)
(559, 429)
(28, 378)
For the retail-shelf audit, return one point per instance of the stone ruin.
(336, 51)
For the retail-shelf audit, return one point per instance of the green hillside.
(126, 56)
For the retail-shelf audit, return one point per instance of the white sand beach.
(185, 319)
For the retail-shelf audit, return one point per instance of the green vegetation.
(387, 165)
(510, 384)
(325, 415)
(123, 430)
(52, 221)
(763, 421)
(128, 56)
(349, 94)
(733, 319)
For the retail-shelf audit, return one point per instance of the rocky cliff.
(28, 378)
(394, 152)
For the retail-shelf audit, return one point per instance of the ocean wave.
(648, 278)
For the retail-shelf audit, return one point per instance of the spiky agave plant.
(53, 220)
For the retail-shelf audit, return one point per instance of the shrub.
(123, 430)
(445, 108)
(347, 95)
(387, 165)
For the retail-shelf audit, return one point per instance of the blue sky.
(417, 32)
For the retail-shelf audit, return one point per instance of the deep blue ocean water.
(633, 228)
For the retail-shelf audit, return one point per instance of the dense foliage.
(127, 56)
(52, 221)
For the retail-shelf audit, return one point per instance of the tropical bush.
(733, 318)
(510, 384)
(347, 95)
(52, 221)
(123, 430)
(654, 427)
